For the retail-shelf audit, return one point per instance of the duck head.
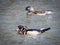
(29, 9)
(20, 29)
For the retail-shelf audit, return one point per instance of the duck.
(26, 31)
(30, 11)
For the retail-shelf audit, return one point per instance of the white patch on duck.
(33, 33)
(49, 12)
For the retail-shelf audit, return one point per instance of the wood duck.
(23, 31)
(30, 11)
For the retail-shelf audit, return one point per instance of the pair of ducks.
(30, 11)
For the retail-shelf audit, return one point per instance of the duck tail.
(46, 29)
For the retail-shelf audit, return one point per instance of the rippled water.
(12, 14)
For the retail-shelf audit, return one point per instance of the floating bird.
(30, 11)
(24, 31)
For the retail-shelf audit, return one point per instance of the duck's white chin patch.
(33, 33)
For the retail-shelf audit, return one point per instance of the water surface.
(12, 14)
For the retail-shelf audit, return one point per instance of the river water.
(12, 14)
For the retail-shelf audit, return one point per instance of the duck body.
(41, 13)
(24, 31)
